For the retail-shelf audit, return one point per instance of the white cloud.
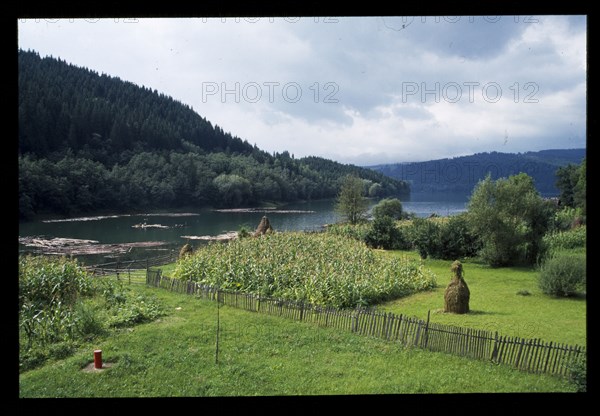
(339, 89)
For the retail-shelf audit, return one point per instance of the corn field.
(321, 269)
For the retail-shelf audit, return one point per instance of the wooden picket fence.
(532, 355)
(126, 266)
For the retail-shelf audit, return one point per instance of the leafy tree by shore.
(351, 202)
(510, 218)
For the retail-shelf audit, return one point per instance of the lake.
(152, 234)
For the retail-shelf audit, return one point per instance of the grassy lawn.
(261, 356)
(495, 304)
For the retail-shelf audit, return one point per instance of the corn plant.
(322, 269)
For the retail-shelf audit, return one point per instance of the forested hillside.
(90, 142)
(461, 174)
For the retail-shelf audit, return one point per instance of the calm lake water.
(119, 230)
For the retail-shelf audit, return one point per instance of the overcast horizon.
(366, 91)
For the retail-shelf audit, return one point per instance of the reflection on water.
(173, 229)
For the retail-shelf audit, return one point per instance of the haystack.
(186, 250)
(264, 227)
(456, 297)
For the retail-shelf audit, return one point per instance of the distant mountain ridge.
(461, 174)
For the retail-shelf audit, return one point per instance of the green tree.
(233, 189)
(579, 191)
(566, 180)
(351, 202)
(376, 190)
(510, 218)
(390, 207)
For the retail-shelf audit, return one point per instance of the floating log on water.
(74, 246)
(54, 242)
(173, 214)
(221, 237)
(103, 217)
(100, 217)
(149, 226)
(263, 211)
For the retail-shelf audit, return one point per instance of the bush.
(125, 310)
(384, 234)
(390, 207)
(563, 274)
(578, 373)
(88, 323)
(456, 241)
(244, 232)
(424, 235)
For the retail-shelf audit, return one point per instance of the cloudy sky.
(357, 90)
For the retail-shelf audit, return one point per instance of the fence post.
(417, 336)
(548, 356)
(495, 349)
(427, 329)
(517, 363)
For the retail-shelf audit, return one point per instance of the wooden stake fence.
(532, 355)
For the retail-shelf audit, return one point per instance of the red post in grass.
(98, 359)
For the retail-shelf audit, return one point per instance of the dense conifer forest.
(92, 142)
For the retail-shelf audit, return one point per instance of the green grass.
(261, 356)
(495, 304)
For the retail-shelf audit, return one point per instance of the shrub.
(384, 234)
(125, 310)
(456, 240)
(389, 207)
(563, 274)
(88, 323)
(577, 369)
(424, 235)
(244, 232)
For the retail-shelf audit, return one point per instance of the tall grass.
(320, 269)
(565, 240)
(58, 312)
